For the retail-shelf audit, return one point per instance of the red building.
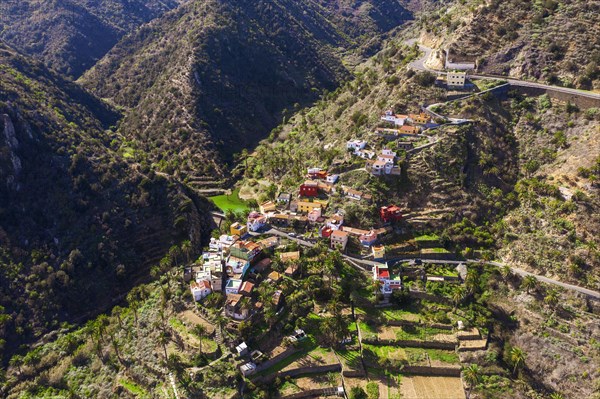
(309, 189)
(390, 213)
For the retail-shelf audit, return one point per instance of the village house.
(278, 298)
(386, 156)
(237, 229)
(247, 250)
(335, 221)
(236, 308)
(396, 119)
(280, 220)
(456, 79)
(389, 281)
(354, 231)
(246, 288)
(200, 290)
(313, 171)
(284, 199)
(314, 215)
(268, 243)
(256, 221)
(339, 239)
(455, 62)
(237, 265)
(226, 241)
(242, 349)
(291, 270)
(405, 145)
(406, 129)
(233, 286)
(378, 252)
(307, 206)
(274, 277)
(356, 145)
(309, 189)
(332, 178)
(368, 239)
(248, 369)
(421, 118)
(326, 187)
(266, 207)
(365, 154)
(379, 167)
(215, 279)
(325, 232)
(389, 214)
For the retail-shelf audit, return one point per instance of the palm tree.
(163, 340)
(117, 312)
(505, 272)
(200, 331)
(556, 395)
(471, 375)
(457, 296)
(529, 283)
(186, 249)
(552, 298)
(517, 358)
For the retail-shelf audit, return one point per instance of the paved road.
(368, 264)
(420, 65)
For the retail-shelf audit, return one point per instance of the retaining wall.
(265, 365)
(432, 371)
(582, 101)
(411, 343)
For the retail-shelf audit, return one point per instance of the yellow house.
(307, 206)
(237, 229)
(421, 118)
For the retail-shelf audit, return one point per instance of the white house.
(396, 119)
(461, 65)
(388, 281)
(233, 286)
(255, 221)
(386, 158)
(456, 79)
(335, 222)
(387, 151)
(356, 145)
(380, 167)
(248, 369)
(332, 179)
(200, 290)
(365, 154)
(242, 349)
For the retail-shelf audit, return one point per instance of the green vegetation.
(230, 202)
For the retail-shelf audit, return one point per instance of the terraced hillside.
(208, 80)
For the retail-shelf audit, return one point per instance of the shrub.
(358, 393)
(372, 390)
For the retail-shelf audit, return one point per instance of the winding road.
(420, 65)
(366, 265)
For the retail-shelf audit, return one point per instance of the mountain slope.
(78, 225)
(70, 36)
(212, 77)
(553, 41)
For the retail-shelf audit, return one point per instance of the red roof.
(384, 274)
